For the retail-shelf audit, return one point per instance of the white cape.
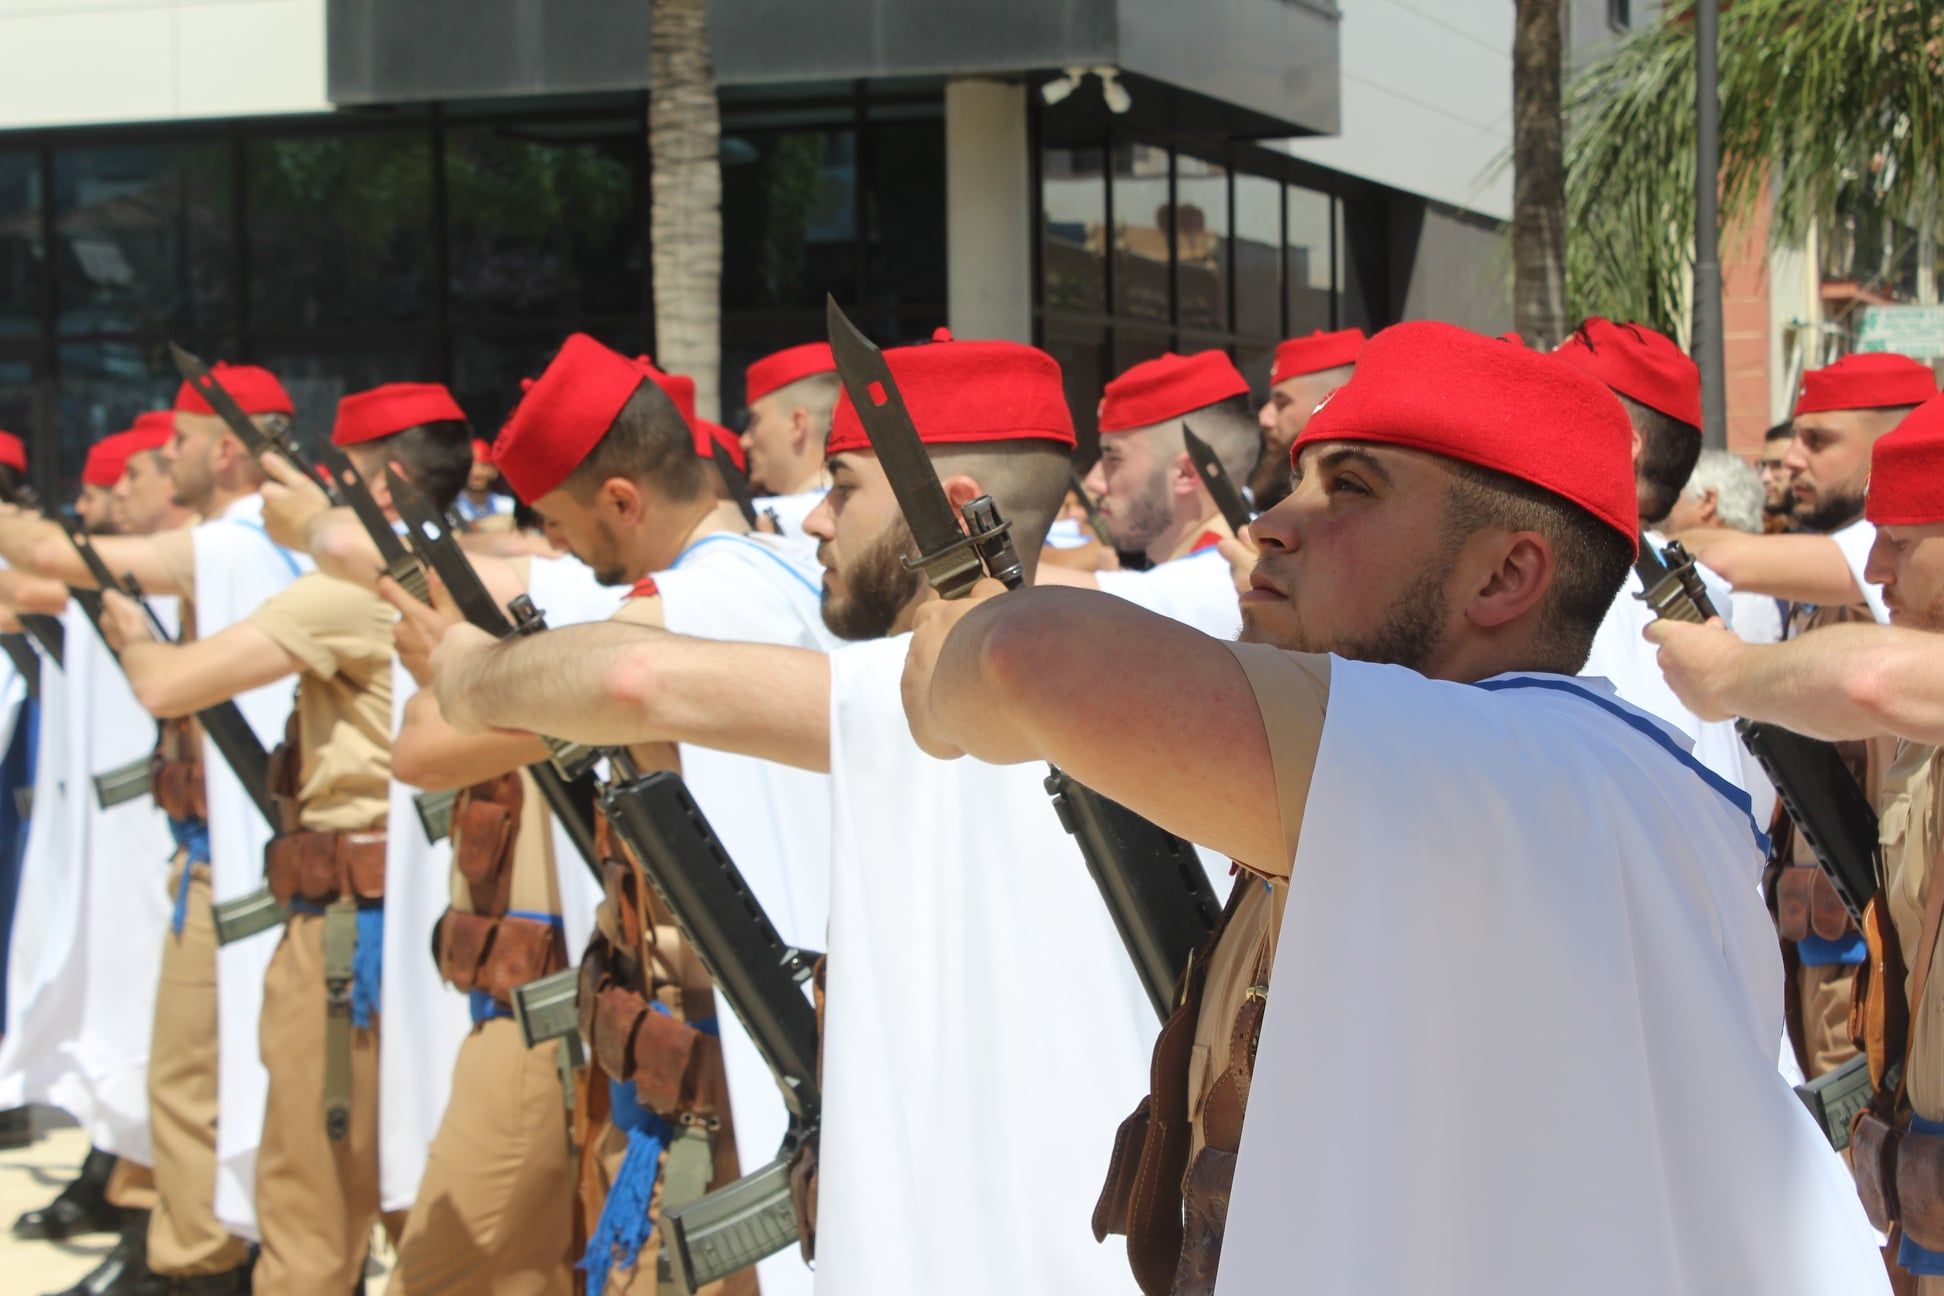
(790, 512)
(984, 1031)
(773, 820)
(102, 907)
(1196, 590)
(1554, 1067)
(237, 569)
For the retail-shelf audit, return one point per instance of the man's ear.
(961, 490)
(799, 428)
(1182, 477)
(623, 499)
(1513, 572)
(1710, 505)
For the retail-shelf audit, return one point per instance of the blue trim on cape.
(746, 542)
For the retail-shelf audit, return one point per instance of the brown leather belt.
(670, 1063)
(496, 955)
(176, 772)
(320, 867)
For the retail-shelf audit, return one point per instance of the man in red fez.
(223, 567)
(936, 997)
(1306, 369)
(479, 501)
(1778, 501)
(1421, 602)
(144, 496)
(1151, 497)
(790, 395)
(601, 449)
(95, 505)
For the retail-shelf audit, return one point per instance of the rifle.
(1221, 487)
(564, 781)
(223, 722)
(26, 662)
(46, 631)
(1151, 881)
(1816, 788)
(738, 487)
(257, 440)
(1095, 521)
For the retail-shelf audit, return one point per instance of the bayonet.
(257, 440)
(400, 563)
(737, 485)
(1092, 506)
(1221, 487)
(952, 560)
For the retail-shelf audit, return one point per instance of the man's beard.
(1829, 512)
(1147, 516)
(1411, 633)
(192, 487)
(877, 586)
(605, 562)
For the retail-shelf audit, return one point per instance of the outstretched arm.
(172, 680)
(39, 546)
(429, 753)
(1800, 568)
(1142, 709)
(1842, 681)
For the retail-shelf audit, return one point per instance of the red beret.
(782, 368)
(1315, 353)
(563, 415)
(1638, 363)
(680, 390)
(1907, 470)
(1167, 387)
(256, 390)
(1446, 390)
(151, 431)
(1869, 380)
(106, 459)
(960, 392)
(482, 452)
(719, 435)
(390, 409)
(13, 454)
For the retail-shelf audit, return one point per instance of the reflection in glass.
(1140, 231)
(1257, 249)
(1073, 247)
(145, 240)
(104, 386)
(546, 226)
(17, 402)
(907, 215)
(1200, 227)
(1085, 367)
(318, 376)
(489, 362)
(21, 255)
(340, 229)
(789, 218)
(1307, 236)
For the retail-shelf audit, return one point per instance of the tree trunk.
(1538, 176)
(685, 187)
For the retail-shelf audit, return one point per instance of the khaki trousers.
(185, 1239)
(316, 1197)
(131, 1186)
(640, 1279)
(495, 1208)
(1824, 994)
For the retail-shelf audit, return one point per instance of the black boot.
(82, 1207)
(124, 1270)
(16, 1128)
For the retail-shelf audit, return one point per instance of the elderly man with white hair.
(1724, 491)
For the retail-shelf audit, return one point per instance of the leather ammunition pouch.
(1920, 1187)
(1806, 904)
(496, 955)
(485, 822)
(668, 1061)
(320, 867)
(1873, 1160)
(1149, 1179)
(176, 771)
(1879, 1021)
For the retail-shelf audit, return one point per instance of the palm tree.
(1538, 176)
(1832, 110)
(685, 188)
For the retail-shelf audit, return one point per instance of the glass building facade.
(446, 244)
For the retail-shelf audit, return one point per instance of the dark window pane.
(1360, 252)
(1140, 244)
(907, 215)
(1133, 345)
(103, 386)
(21, 254)
(1201, 229)
(146, 242)
(546, 226)
(1307, 235)
(318, 373)
(1085, 367)
(1073, 203)
(17, 403)
(789, 219)
(1257, 250)
(488, 363)
(340, 229)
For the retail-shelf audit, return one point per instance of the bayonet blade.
(1092, 506)
(428, 534)
(734, 481)
(400, 565)
(255, 439)
(949, 563)
(1221, 487)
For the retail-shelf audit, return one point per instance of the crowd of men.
(1519, 953)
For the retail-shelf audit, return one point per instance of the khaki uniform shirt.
(343, 636)
(1291, 689)
(1912, 833)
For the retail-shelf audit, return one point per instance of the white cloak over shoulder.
(1553, 1069)
(237, 569)
(1196, 590)
(984, 1031)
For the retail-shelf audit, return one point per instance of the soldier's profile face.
(1908, 561)
(1829, 465)
(1130, 484)
(143, 495)
(765, 440)
(192, 459)
(861, 542)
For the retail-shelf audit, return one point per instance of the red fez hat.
(1638, 363)
(731, 444)
(106, 459)
(255, 389)
(151, 431)
(13, 454)
(1167, 387)
(1315, 353)
(1868, 380)
(680, 390)
(963, 392)
(1907, 470)
(1452, 392)
(390, 409)
(563, 415)
(784, 367)
(482, 452)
